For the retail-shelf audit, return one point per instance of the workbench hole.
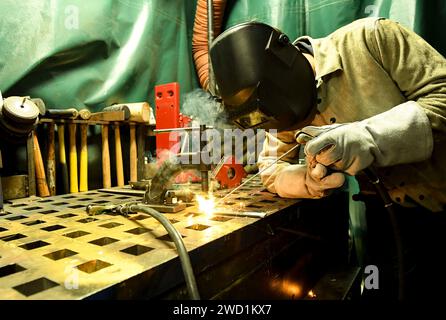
(139, 217)
(45, 200)
(173, 221)
(68, 197)
(111, 225)
(53, 227)
(67, 215)
(47, 211)
(18, 205)
(103, 241)
(137, 250)
(242, 198)
(3, 229)
(32, 208)
(221, 219)
(123, 198)
(91, 193)
(76, 234)
(254, 206)
(10, 269)
(76, 206)
(34, 222)
(198, 227)
(138, 230)
(5, 213)
(60, 203)
(85, 199)
(229, 203)
(16, 218)
(267, 201)
(100, 201)
(105, 195)
(60, 254)
(35, 286)
(166, 237)
(12, 237)
(87, 220)
(93, 266)
(34, 245)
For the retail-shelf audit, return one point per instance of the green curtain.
(93, 53)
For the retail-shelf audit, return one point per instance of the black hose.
(388, 204)
(179, 244)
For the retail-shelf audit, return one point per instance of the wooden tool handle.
(73, 159)
(118, 153)
(106, 174)
(133, 154)
(51, 160)
(62, 158)
(83, 182)
(42, 186)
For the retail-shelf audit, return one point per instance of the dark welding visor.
(264, 80)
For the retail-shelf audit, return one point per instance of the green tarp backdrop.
(85, 53)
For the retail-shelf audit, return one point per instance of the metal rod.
(260, 172)
(250, 214)
(180, 129)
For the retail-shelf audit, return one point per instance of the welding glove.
(400, 135)
(302, 182)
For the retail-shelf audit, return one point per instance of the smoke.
(202, 107)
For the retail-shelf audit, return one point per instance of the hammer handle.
(51, 160)
(106, 174)
(118, 153)
(74, 188)
(42, 186)
(63, 158)
(83, 181)
(133, 154)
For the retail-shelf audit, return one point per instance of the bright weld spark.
(206, 204)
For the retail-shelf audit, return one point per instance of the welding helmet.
(264, 81)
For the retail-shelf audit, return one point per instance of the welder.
(371, 95)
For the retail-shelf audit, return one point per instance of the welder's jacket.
(364, 69)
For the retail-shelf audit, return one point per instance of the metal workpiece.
(53, 249)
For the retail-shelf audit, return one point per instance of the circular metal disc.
(20, 109)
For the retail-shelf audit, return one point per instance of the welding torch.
(127, 208)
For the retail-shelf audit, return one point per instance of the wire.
(388, 205)
(178, 241)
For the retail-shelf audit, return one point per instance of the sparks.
(206, 204)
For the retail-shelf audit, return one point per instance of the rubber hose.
(200, 44)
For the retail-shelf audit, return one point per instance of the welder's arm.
(406, 133)
(400, 135)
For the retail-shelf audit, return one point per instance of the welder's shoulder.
(357, 28)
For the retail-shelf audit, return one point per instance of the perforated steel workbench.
(51, 249)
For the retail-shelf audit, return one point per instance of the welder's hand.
(302, 182)
(400, 135)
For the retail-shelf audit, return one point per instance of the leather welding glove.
(300, 181)
(400, 135)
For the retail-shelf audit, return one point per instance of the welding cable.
(200, 40)
(388, 204)
(178, 241)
